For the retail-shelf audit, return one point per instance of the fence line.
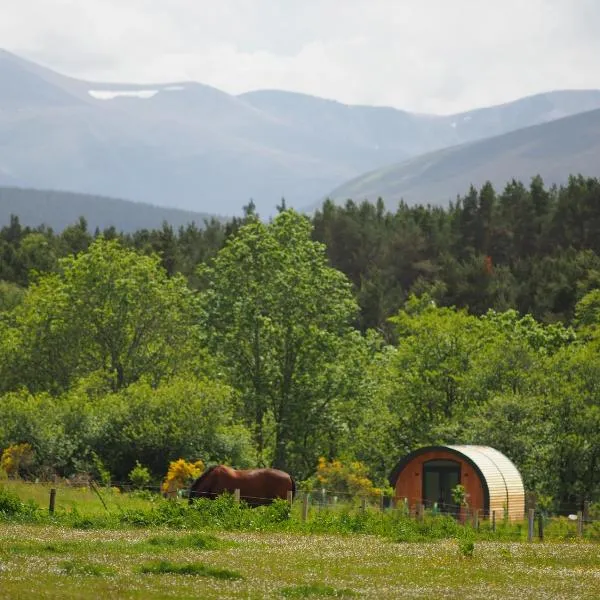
(411, 507)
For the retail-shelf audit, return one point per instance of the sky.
(431, 56)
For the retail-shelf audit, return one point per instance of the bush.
(16, 458)
(345, 479)
(180, 475)
(9, 502)
(139, 475)
(466, 547)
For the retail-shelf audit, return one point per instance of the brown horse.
(257, 486)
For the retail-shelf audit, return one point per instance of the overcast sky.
(423, 55)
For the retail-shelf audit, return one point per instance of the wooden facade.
(491, 481)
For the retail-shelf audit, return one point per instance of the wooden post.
(580, 523)
(494, 521)
(420, 511)
(52, 501)
(363, 504)
(381, 502)
(236, 495)
(586, 511)
(531, 515)
(541, 527)
(476, 520)
(305, 506)
(290, 497)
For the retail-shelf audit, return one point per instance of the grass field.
(141, 546)
(52, 562)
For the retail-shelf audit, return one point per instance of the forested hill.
(58, 209)
(298, 341)
(528, 247)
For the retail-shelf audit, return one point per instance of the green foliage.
(337, 336)
(107, 310)
(139, 475)
(459, 495)
(279, 318)
(466, 547)
(10, 504)
(100, 470)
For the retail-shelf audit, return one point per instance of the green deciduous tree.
(280, 318)
(110, 310)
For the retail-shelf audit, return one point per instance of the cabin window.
(439, 477)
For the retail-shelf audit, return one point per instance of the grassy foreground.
(140, 546)
(54, 562)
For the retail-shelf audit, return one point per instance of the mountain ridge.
(58, 210)
(194, 147)
(553, 150)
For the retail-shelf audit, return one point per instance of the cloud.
(423, 55)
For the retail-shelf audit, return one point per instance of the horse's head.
(202, 485)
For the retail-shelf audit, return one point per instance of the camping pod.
(492, 483)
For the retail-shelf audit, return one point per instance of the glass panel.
(439, 478)
(449, 480)
(432, 488)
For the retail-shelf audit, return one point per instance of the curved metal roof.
(498, 474)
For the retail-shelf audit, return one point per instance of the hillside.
(553, 150)
(191, 146)
(60, 209)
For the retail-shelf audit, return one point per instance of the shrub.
(466, 547)
(9, 502)
(139, 475)
(181, 474)
(16, 458)
(345, 479)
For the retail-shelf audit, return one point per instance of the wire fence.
(573, 520)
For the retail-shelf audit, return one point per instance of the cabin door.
(439, 478)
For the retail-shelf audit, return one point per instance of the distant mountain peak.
(196, 147)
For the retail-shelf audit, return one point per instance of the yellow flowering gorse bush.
(180, 474)
(16, 457)
(350, 478)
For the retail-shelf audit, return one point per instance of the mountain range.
(58, 210)
(553, 150)
(190, 146)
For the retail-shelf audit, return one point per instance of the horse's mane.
(204, 475)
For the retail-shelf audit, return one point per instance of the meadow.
(141, 546)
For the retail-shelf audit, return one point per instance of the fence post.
(476, 520)
(236, 495)
(541, 527)
(420, 511)
(363, 504)
(381, 504)
(531, 514)
(494, 521)
(579, 523)
(305, 506)
(290, 497)
(52, 501)
(586, 511)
